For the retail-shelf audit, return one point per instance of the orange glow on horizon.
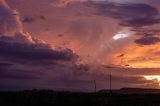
(153, 77)
(141, 56)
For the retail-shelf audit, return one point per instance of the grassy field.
(50, 98)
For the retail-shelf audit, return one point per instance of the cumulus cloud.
(24, 59)
(19, 50)
(9, 20)
(31, 51)
(21, 45)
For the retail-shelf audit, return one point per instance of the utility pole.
(110, 76)
(95, 86)
(107, 83)
(110, 83)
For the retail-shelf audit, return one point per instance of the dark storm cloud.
(31, 61)
(34, 52)
(26, 62)
(146, 31)
(140, 22)
(132, 14)
(148, 36)
(149, 40)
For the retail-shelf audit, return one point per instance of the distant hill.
(131, 91)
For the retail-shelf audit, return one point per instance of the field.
(51, 98)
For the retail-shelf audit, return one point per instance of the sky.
(69, 44)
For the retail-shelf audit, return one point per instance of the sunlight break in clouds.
(153, 77)
(120, 36)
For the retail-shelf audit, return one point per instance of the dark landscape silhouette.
(121, 97)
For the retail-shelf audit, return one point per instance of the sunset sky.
(67, 44)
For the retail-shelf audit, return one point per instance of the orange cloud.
(142, 56)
